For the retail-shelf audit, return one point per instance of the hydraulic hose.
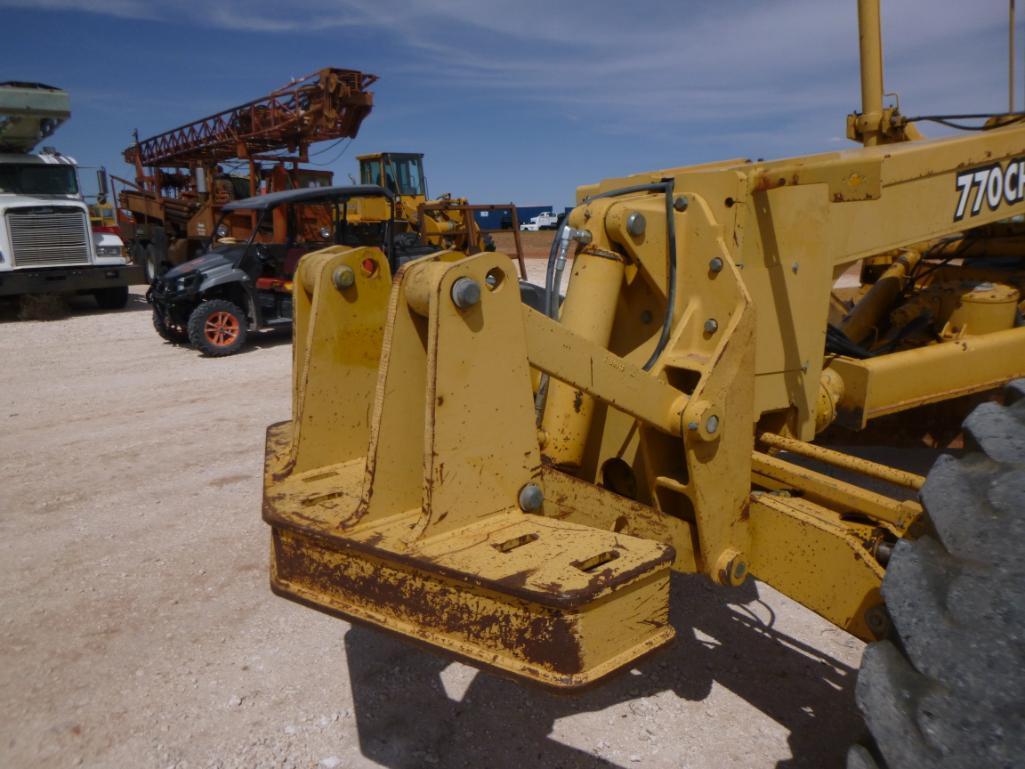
(557, 255)
(666, 188)
(553, 279)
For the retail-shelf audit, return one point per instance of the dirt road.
(138, 629)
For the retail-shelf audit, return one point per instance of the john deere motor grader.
(514, 487)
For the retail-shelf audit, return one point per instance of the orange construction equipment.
(180, 184)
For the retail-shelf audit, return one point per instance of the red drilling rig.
(181, 180)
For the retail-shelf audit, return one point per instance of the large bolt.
(878, 620)
(715, 265)
(465, 293)
(343, 277)
(731, 568)
(702, 419)
(711, 326)
(680, 203)
(531, 498)
(635, 223)
(883, 552)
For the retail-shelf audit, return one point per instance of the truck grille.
(48, 236)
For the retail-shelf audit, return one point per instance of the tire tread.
(949, 695)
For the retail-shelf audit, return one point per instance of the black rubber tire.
(151, 263)
(949, 691)
(113, 298)
(198, 331)
(145, 254)
(173, 333)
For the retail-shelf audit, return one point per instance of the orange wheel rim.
(221, 328)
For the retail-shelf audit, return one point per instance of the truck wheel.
(149, 263)
(154, 265)
(113, 298)
(172, 332)
(949, 690)
(217, 327)
(147, 256)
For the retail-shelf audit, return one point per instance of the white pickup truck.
(546, 220)
(46, 242)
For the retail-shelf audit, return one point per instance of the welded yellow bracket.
(886, 384)
(847, 180)
(817, 557)
(444, 530)
(711, 356)
(340, 300)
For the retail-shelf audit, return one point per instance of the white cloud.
(125, 9)
(676, 58)
(769, 77)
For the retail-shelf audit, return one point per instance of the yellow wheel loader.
(444, 223)
(513, 485)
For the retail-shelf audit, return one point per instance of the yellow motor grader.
(514, 485)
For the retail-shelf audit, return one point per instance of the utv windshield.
(38, 179)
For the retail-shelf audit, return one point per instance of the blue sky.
(512, 101)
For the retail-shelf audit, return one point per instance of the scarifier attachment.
(416, 502)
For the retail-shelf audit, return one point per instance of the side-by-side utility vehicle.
(240, 285)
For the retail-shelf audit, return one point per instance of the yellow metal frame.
(415, 490)
(400, 538)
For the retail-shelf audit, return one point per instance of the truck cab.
(46, 242)
(546, 220)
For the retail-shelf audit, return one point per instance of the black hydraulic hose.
(666, 188)
(838, 343)
(948, 120)
(667, 321)
(650, 187)
(552, 291)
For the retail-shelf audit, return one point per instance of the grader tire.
(949, 691)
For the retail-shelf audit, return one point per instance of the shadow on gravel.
(257, 340)
(60, 306)
(405, 720)
(264, 340)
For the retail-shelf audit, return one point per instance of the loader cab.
(401, 173)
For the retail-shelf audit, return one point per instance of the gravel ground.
(138, 629)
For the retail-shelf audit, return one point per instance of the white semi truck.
(46, 242)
